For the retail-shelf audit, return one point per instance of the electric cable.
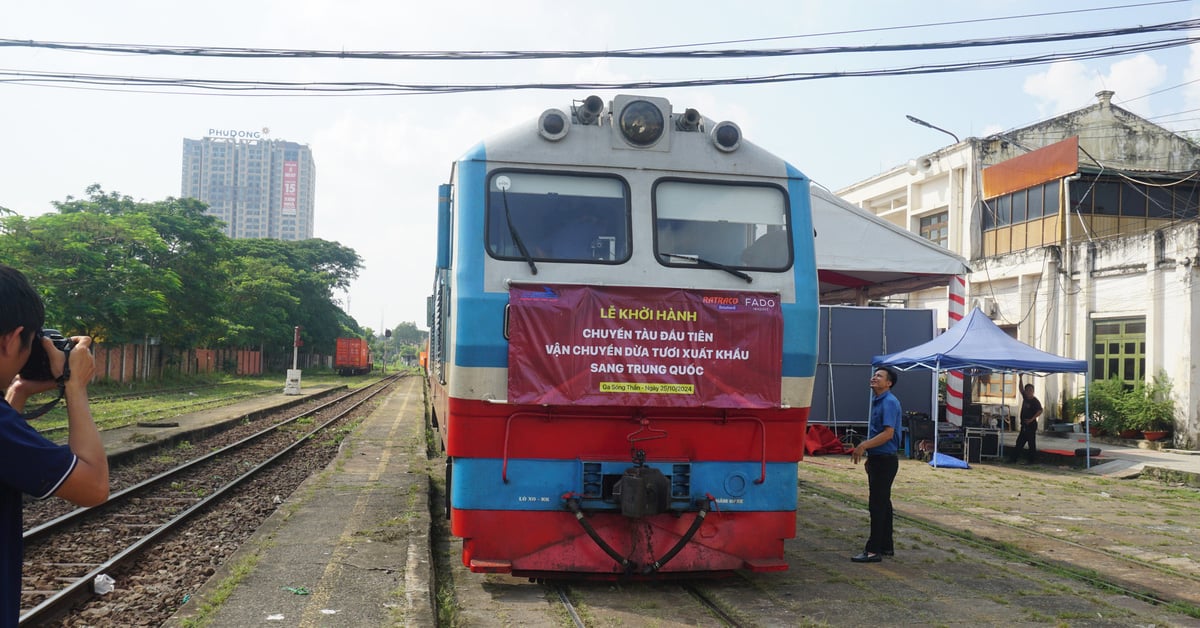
(325, 88)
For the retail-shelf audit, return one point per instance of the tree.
(124, 270)
(190, 244)
(408, 334)
(93, 272)
(260, 302)
(315, 269)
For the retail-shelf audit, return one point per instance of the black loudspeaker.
(990, 445)
(974, 448)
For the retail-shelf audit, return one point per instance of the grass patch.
(207, 612)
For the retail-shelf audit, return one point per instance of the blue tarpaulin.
(944, 461)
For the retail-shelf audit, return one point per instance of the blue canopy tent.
(975, 345)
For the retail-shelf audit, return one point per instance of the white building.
(260, 188)
(1115, 284)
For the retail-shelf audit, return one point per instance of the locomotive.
(623, 339)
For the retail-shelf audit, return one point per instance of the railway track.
(701, 609)
(65, 555)
(1005, 545)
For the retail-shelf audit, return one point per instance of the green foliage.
(124, 271)
(305, 273)
(1105, 404)
(1149, 407)
(1116, 407)
(408, 334)
(1072, 409)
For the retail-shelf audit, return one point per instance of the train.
(623, 341)
(352, 357)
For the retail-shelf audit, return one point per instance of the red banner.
(291, 185)
(644, 347)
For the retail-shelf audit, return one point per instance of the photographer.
(30, 463)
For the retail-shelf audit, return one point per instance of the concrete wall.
(1152, 276)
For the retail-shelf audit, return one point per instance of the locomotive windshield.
(557, 217)
(734, 225)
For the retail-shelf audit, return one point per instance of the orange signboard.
(1048, 163)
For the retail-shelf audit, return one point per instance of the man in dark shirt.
(1031, 411)
(29, 463)
(880, 448)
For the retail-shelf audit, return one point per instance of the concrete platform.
(350, 547)
(1124, 460)
(122, 442)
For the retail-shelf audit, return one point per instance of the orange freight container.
(353, 357)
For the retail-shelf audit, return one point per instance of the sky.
(380, 159)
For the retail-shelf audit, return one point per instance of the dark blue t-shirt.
(30, 464)
(885, 412)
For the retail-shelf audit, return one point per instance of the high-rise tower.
(260, 188)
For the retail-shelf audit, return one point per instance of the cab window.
(736, 225)
(558, 217)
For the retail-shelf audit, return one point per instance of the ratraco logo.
(721, 300)
(546, 294)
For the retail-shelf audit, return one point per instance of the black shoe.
(867, 557)
(888, 552)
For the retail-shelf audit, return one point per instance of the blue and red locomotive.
(623, 344)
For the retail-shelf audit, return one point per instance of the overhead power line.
(511, 55)
(327, 88)
(859, 31)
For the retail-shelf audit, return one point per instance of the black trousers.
(1026, 436)
(881, 472)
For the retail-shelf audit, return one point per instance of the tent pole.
(937, 368)
(1087, 419)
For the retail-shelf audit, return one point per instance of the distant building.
(1083, 231)
(260, 188)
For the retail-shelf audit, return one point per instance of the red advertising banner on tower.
(291, 186)
(644, 346)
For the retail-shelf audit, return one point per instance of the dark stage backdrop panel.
(850, 337)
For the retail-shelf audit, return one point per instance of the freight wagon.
(353, 357)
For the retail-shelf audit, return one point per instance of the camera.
(37, 368)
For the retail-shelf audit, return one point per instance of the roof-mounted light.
(726, 136)
(554, 124)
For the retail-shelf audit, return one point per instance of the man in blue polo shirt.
(29, 463)
(881, 446)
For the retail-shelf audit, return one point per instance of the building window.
(1119, 350)
(936, 228)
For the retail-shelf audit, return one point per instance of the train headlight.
(727, 136)
(554, 124)
(641, 123)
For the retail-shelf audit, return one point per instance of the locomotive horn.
(688, 121)
(592, 107)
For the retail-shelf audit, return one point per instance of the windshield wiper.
(512, 231)
(711, 264)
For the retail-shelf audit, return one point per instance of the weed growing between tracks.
(443, 554)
